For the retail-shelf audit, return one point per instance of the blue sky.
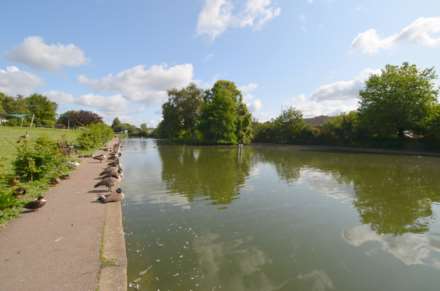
(118, 58)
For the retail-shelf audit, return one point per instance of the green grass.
(10, 135)
(8, 143)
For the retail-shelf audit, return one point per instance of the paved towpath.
(56, 247)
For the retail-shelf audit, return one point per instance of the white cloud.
(343, 90)
(60, 97)
(109, 104)
(36, 53)
(103, 104)
(312, 108)
(258, 12)
(219, 15)
(333, 98)
(141, 84)
(423, 31)
(254, 104)
(14, 81)
(215, 18)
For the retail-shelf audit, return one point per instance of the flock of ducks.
(110, 177)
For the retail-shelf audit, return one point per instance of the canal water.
(279, 218)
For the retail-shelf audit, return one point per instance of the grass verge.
(10, 206)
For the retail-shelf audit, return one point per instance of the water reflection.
(319, 280)
(282, 213)
(215, 172)
(409, 248)
(232, 265)
(393, 194)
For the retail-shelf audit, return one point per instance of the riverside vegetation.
(399, 108)
(35, 158)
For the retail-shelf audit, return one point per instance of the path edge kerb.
(113, 274)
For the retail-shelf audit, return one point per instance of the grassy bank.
(10, 204)
(10, 135)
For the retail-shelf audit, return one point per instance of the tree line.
(398, 108)
(41, 112)
(21, 110)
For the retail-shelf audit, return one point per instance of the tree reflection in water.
(214, 172)
(394, 194)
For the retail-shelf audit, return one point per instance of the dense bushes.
(433, 128)
(38, 162)
(39, 158)
(94, 135)
(343, 129)
(288, 127)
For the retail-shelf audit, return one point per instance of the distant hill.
(317, 121)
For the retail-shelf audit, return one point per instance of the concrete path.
(58, 246)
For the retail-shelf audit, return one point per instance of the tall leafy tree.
(398, 99)
(15, 109)
(43, 109)
(219, 117)
(187, 103)
(14, 105)
(181, 113)
(244, 124)
(171, 125)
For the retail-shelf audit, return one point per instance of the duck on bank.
(35, 204)
(114, 196)
(111, 176)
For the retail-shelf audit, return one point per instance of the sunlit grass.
(8, 142)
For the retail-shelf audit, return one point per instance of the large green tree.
(181, 113)
(13, 105)
(244, 124)
(73, 119)
(400, 98)
(43, 110)
(225, 119)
